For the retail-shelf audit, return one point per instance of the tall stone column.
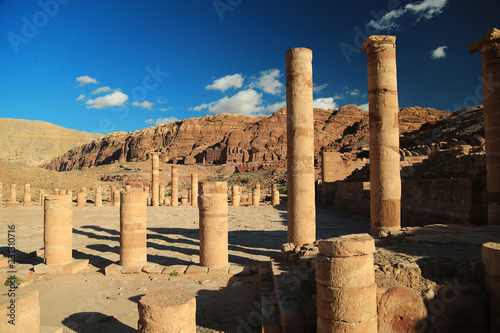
(256, 196)
(175, 186)
(81, 199)
(194, 189)
(27, 195)
(162, 195)
(489, 46)
(13, 192)
(213, 210)
(155, 180)
(116, 198)
(41, 197)
(300, 147)
(346, 288)
(235, 197)
(98, 196)
(275, 195)
(58, 226)
(133, 216)
(385, 180)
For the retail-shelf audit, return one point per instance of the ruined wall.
(428, 201)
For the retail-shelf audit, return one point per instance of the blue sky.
(104, 66)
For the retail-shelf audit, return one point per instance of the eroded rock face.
(227, 138)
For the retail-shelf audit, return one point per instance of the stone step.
(290, 281)
(271, 322)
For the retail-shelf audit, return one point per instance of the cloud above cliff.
(246, 102)
(268, 81)
(160, 121)
(116, 98)
(327, 103)
(226, 82)
(416, 11)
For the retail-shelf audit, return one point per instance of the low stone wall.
(446, 201)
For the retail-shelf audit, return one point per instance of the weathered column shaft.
(155, 180)
(256, 196)
(41, 197)
(184, 199)
(235, 198)
(167, 311)
(489, 46)
(58, 228)
(116, 198)
(213, 210)
(194, 189)
(300, 147)
(98, 197)
(175, 186)
(346, 288)
(27, 196)
(275, 195)
(133, 217)
(385, 180)
(81, 199)
(491, 261)
(162, 195)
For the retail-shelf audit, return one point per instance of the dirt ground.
(419, 258)
(92, 302)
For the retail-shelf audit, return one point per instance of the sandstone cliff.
(34, 142)
(227, 138)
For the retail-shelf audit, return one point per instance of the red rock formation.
(227, 138)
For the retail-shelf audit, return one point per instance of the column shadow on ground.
(90, 322)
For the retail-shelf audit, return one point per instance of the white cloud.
(144, 105)
(246, 102)
(275, 107)
(439, 52)
(425, 9)
(168, 120)
(226, 82)
(325, 103)
(79, 98)
(116, 98)
(354, 92)
(165, 109)
(363, 107)
(268, 81)
(85, 79)
(317, 89)
(149, 121)
(100, 90)
(159, 100)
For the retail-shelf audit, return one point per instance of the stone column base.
(75, 266)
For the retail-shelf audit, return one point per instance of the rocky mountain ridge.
(228, 138)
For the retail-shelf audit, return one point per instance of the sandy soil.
(92, 302)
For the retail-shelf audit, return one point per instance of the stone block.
(132, 269)
(113, 270)
(153, 269)
(181, 269)
(195, 269)
(240, 270)
(77, 265)
(218, 270)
